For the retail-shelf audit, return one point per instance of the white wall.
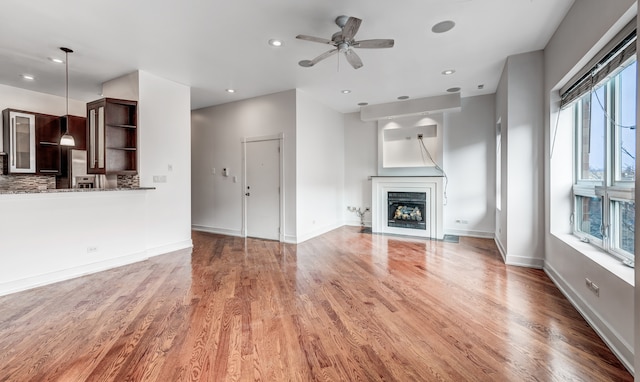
(524, 164)
(360, 162)
(320, 167)
(469, 161)
(502, 117)
(165, 149)
(519, 108)
(217, 133)
(46, 237)
(27, 100)
(586, 28)
(465, 149)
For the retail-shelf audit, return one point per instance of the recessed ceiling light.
(346, 91)
(443, 26)
(28, 77)
(363, 103)
(453, 90)
(448, 72)
(275, 42)
(231, 91)
(56, 60)
(403, 97)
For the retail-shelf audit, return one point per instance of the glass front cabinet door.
(20, 141)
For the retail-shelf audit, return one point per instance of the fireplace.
(407, 209)
(407, 205)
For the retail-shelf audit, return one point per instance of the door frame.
(245, 140)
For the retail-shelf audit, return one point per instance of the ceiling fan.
(344, 42)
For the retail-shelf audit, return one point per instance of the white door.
(262, 189)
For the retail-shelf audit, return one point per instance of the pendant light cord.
(66, 63)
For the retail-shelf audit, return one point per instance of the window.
(604, 119)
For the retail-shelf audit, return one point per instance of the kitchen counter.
(67, 190)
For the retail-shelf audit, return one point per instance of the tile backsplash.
(24, 182)
(27, 182)
(43, 182)
(128, 181)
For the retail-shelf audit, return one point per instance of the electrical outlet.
(593, 287)
(159, 179)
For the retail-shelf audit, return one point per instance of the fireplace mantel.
(430, 185)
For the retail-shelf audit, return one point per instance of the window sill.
(600, 257)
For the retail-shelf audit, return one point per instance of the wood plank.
(343, 306)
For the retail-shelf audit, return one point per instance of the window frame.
(612, 189)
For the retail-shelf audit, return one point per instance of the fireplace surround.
(407, 205)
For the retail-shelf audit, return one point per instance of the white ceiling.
(212, 45)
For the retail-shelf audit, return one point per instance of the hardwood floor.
(345, 306)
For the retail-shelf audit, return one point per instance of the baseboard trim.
(220, 231)
(87, 269)
(168, 248)
(503, 253)
(70, 273)
(614, 341)
(527, 262)
(468, 233)
(318, 232)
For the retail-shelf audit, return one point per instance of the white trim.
(609, 335)
(71, 273)
(87, 269)
(290, 239)
(501, 249)
(523, 261)
(318, 232)
(171, 247)
(219, 231)
(469, 233)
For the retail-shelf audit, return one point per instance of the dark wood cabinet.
(48, 144)
(112, 136)
(19, 135)
(32, 142)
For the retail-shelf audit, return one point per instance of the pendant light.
(66, 139)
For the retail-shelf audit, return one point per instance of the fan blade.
(353, 59)
(351, 28)
(314, 39)
(323, 56)
(374, 44)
